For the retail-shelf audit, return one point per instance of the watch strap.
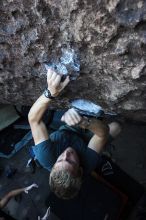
(47, 94)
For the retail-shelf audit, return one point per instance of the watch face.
(47, 94)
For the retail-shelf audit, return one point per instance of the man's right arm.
(38, 127)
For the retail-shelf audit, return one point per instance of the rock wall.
(110, 36)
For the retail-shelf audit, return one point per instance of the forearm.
(10, 195)
(38, 109)
(55, 86)
(99, 128)
(16, 192)
(38, 127)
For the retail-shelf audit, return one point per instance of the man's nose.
(66, 155)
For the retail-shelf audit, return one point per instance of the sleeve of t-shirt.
(44, 153)
(60, 140)
(91, 160)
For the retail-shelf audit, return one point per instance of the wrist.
(48, 94)
(93, 123)
(85, 123)
(53, 94)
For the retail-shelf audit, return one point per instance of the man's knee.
(114, 129)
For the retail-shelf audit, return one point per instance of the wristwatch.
(47, 94)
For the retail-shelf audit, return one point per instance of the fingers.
(49, 74)
(31, 187)
(57, 80)
(71, 117)
(76, 115)
(55, 85)
(34, 185)
(53, 78)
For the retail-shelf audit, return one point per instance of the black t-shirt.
(48, 151)
(5, 216)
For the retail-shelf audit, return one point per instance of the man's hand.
(27, 189)
(71, 117)
(55, 86)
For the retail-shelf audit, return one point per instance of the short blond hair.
(64, 184)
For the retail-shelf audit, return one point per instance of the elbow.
(31, 117)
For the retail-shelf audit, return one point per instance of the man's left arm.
(101, 132)
(99, 128)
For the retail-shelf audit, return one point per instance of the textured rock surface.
(110, 36)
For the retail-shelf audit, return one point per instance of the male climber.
(64, 153)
